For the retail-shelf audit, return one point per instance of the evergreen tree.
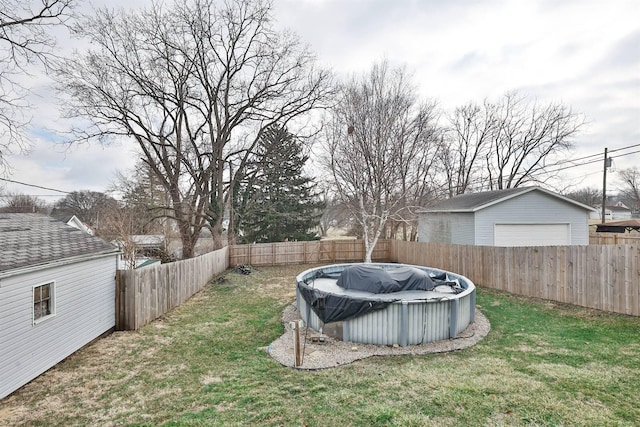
(275, 201)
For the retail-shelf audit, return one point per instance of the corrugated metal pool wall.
(410, 323)
(311, 319)
(403, 323)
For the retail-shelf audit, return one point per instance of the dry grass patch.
(200, 365)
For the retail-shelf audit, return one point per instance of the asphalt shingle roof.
(472, 202)
(618, 208)
(35, 239)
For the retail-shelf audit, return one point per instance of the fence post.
(333, 251)
(273, 253)
(120, 301)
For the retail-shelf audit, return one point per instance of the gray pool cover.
(331, 307)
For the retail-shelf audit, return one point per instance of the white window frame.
(52, 298)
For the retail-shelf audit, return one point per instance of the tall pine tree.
(276, 201)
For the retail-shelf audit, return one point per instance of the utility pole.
(607, 163)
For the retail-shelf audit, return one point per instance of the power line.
(624, 148)
(625, 154)
(8, 196)
(33, 185)
(594, 161)
(581, 158)
(588, 174)
(551, 171)
(482, 180)
(573, 166)
(599, 155)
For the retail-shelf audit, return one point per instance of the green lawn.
(204, 364)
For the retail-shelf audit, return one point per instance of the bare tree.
(529, 140)
(589, 196)
(24, 41)
(87, 205)
(464, 147)
(24, 203)
(195, 85)
(118, 226)
(630, 179)
(506, 144)
(380, 148)
(335, 213)
(145, 198)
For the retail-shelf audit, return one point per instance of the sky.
(582, 53)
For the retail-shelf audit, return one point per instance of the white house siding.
(84, 309)
(455, 228)
(621, 214)
(535, 208)
(597, 214)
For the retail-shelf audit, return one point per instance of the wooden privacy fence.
(146, 294)
(614, 238)
(314, 252)
(604, 277)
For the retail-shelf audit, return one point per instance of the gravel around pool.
(334, 352)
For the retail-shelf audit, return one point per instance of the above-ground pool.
(373, 315)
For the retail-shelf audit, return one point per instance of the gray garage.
(527, 216)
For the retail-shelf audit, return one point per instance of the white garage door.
(532, 234)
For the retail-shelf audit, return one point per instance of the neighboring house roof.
(615, 208)
(473, 202)
(28, 240)
(74, 221)
(148, 262)
(622, 204)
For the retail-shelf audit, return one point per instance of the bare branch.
(380, 148)
(25, 40)
(630, 179)
(506, 144)
(185, 83)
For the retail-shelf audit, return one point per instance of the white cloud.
(583, 53)
(81, 167)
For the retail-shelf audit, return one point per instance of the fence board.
(605, 277)
(614, 238)
(146, 294)
(324, 251)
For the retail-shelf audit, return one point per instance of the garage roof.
(473, 202)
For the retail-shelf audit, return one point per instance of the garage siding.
(454, 228)
(533, 208)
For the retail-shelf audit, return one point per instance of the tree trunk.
(218, 241)
(368, 251)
